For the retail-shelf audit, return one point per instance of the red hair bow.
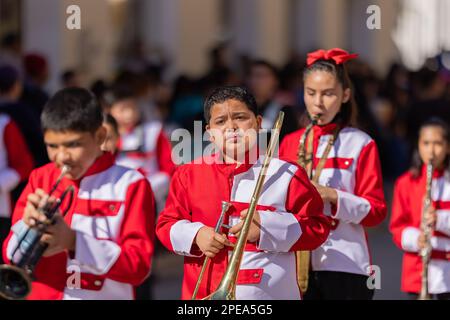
(338, 55)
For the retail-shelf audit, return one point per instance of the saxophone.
(425, 252)
(304, 257)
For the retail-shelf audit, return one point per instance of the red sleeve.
(19, 157)
(177, 208)
(286, 148)
(164, 150)
(401, 212)
(136, 236)
(305, 203)
(369, 184)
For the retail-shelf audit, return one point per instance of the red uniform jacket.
(405, 221)
(353, 169)
(291, 219)
(16, 162)
(113, 216)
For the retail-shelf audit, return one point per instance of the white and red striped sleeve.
(443, 221)
(366, 205)
(20, 162)
(129, 258)
(302, 227)
(175, 228)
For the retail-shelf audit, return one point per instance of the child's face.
(126, 113)
(324, 96)
(233, 127)
(433, 146)
(111, 140)
(75, 149)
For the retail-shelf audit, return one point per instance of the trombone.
(225, 207)
(16, 279)
(227, 286)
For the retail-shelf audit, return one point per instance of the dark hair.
(222, 94)
(417, 163)
(121, 91)
(109, 119)
(8, 77)
(267, 65)
(10, 39)
(72, 109)
(347, 115)
(68, 75)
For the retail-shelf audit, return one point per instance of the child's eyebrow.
(326, 89)
(71, 142)
(240, 113)
(220, 117)
(66, 143)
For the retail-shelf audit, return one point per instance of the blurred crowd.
(390, 109)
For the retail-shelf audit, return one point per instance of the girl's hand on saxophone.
(326, 193)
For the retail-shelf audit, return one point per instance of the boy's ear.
(259, 121)
(100, 135)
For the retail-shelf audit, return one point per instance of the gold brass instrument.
(15, 279)
(304, 257)
(227, 286)
(425, 253)
(225, 207)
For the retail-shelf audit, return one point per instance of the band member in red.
(142, 145)
(288, 218)
(102, 247)
(407, 210)
(343, 163)
(16, 164)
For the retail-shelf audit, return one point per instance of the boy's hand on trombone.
(210, 242)
(254, 232)
(59, 236)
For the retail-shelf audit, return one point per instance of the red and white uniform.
(407, 207)
(16, 162)
(291, 219)
(146, 148)
(353, 169)
(113, 216)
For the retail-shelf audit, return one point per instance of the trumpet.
(425, 253)
(227, 286)
(16, 278)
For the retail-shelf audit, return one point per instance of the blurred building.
(181, 32)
